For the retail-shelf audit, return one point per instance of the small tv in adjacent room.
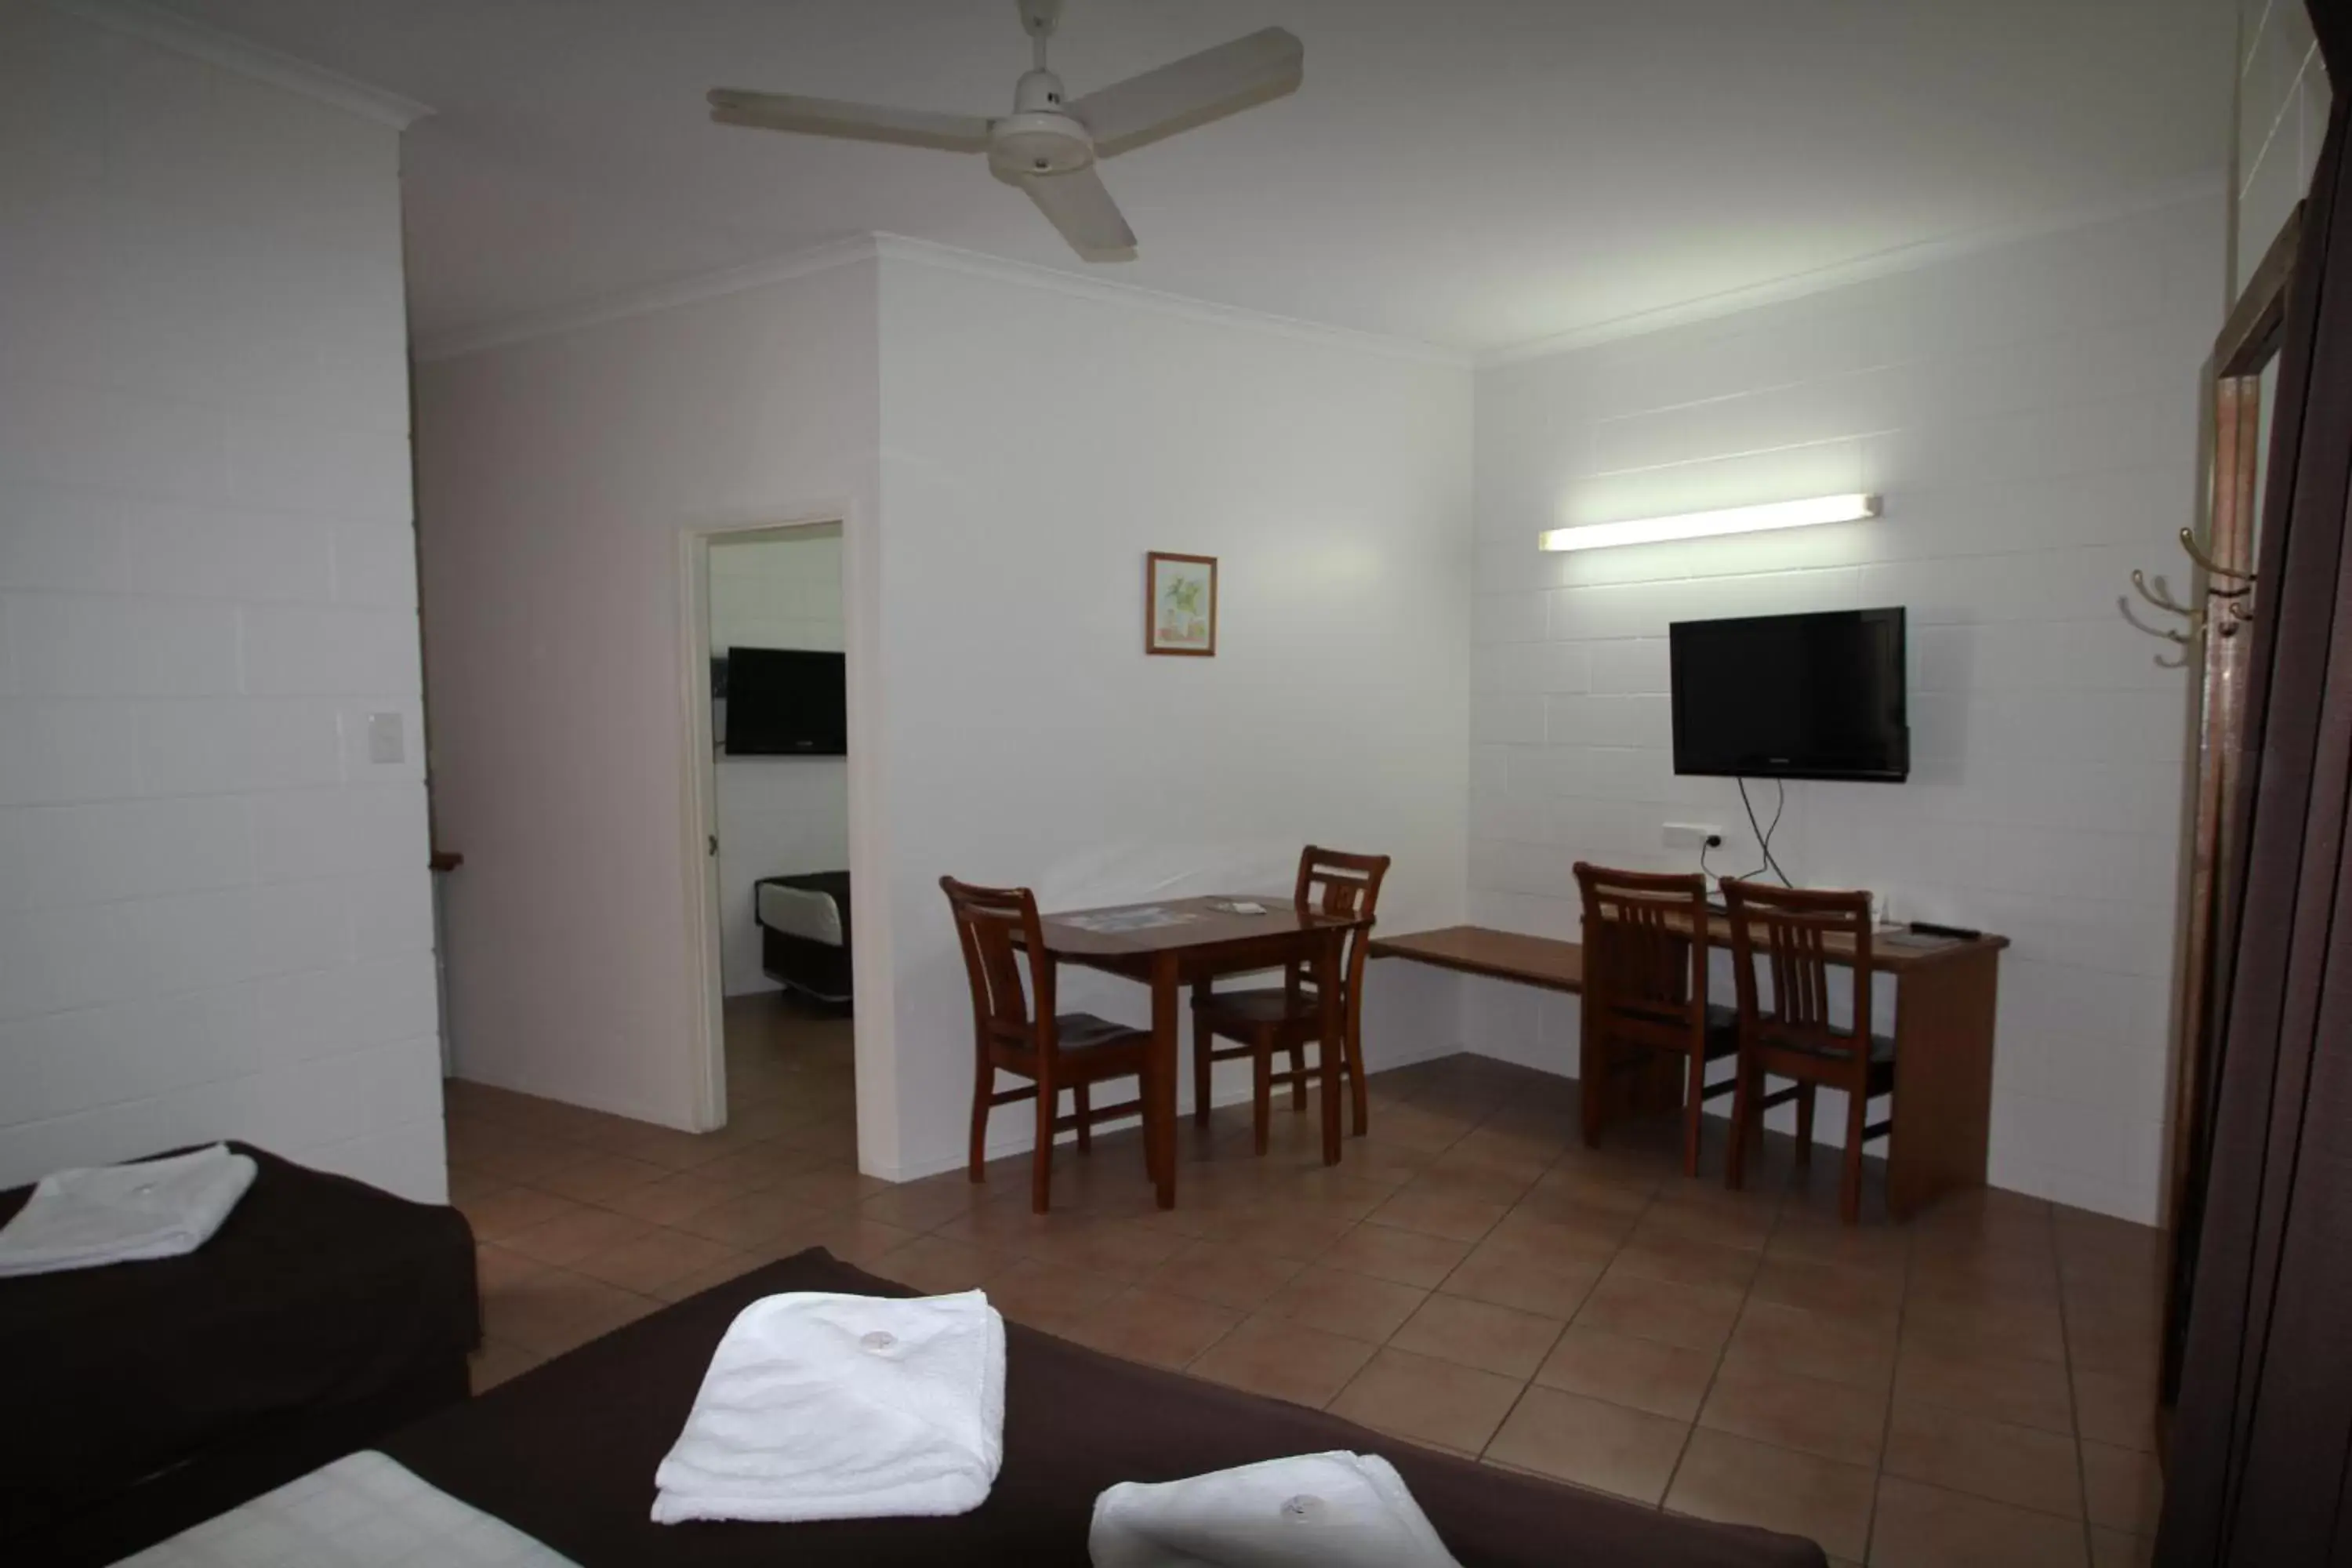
(1792, 697)
(785, 702)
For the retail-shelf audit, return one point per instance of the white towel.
(825, 1407)
(1313, 1511)
(119, 1213)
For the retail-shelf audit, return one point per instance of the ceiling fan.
(1048, 145)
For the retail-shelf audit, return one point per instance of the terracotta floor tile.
(1731, 1479)
(571, 1237)
(2115, 1549)
(1792, 1339)
(1992, 1460)
(1812, 1238)
(556, 1310)
(1554, 1286)
(495, 1362)
(1745, 1228)
(1355, 1305)
(647, 1263)
(1479, 1333)
(1921, 1526)
(1154, 1326)
(671, 1199)
(1406, 1257)
(826, 1188)
(749, 1221)
(595, 1179)
(1287, 1360)
(1456, 1218)
(1228, 1275)
(1641, 1374)
(730, 1265)
(2028, 1331)
(2002, 1388)
(1697, 1317)
(1605, 1447)
(852, 1238)
(1862, 1295)
(937, 1267)
(1664, 1254)
(1041, 1293)
(2115, 1408)
(921, 1206)
(2122, 1488)
(508, 1210)
(1834, 1420)
(1427, 1400)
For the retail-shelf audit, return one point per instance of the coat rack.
(2198, 619)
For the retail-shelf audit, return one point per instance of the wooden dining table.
(1170, 943)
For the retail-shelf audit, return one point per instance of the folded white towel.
(1313, 1511)
(119, 1213)
(825, 1407)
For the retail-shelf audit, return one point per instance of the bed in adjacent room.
(566, 1454)
(804, 933)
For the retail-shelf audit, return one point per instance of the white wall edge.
(1863, 269)
(230, 52)
(673, 292)
(646, 300)
(1002, 1148)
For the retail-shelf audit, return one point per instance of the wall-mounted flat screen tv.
(1792, 697)
(786, 702)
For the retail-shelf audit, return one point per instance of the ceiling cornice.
(229, 52)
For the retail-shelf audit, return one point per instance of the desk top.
(1559, 965)
(1164, 925)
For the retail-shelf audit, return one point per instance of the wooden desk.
(1200, 944)
(1943, 1006)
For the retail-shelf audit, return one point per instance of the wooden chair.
(1291, 1018)
(1053, 1050)
(1800, 934)
(1646, 938)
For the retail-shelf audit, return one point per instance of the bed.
(566, 1454)
(805, 933)
(146, 1396)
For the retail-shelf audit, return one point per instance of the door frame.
(700, 784)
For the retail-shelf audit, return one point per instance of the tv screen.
(1793, 696)
(785, 702)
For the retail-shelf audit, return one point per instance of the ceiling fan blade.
(1077, 203)
(1192, 92)
(855, 122)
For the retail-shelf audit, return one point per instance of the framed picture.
(1179, 603)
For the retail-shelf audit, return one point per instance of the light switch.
(385, 741)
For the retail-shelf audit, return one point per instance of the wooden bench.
(1944, 1008)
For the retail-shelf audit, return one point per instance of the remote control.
(1957, 933)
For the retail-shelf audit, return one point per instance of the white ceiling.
(1476, 173)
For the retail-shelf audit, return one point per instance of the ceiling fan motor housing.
(1038, 141)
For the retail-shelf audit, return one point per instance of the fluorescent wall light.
(1704, 524)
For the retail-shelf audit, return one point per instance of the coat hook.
(2196, 622)
(2161, 595)
(2189, 543)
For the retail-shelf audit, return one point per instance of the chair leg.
(1041, 1160)
(1734, 1172)
(1357, 1093)
(1298, 1079)
(1695, 1082)
(1203, 1042)
(1079, 1103)
(1858, 1117)
(1805, 1124)
(1261, 1092)
(983, 1083)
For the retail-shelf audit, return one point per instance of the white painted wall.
(1037, 441)
(215, 916)
(776, 815)
(2030, 413)
(2282, 99)
(558, 480)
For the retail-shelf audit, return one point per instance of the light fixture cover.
(1704, 524)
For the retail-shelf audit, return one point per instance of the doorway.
(770, 759)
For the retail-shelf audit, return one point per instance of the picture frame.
(1179, 605)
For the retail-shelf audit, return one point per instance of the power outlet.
(1689, 835)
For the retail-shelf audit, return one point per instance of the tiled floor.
(1970, 1388)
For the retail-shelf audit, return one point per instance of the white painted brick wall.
(2029, 413)
(215, 916)
(2282, 103)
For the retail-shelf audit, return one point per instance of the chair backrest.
(1802, 933)
(1334, 882)
(988, 922)
(1646, 937)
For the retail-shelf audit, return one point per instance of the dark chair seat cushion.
(1263, 1008)
(1080, 1032)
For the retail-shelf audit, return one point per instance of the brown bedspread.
(567, 1453)
(144, 1396)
